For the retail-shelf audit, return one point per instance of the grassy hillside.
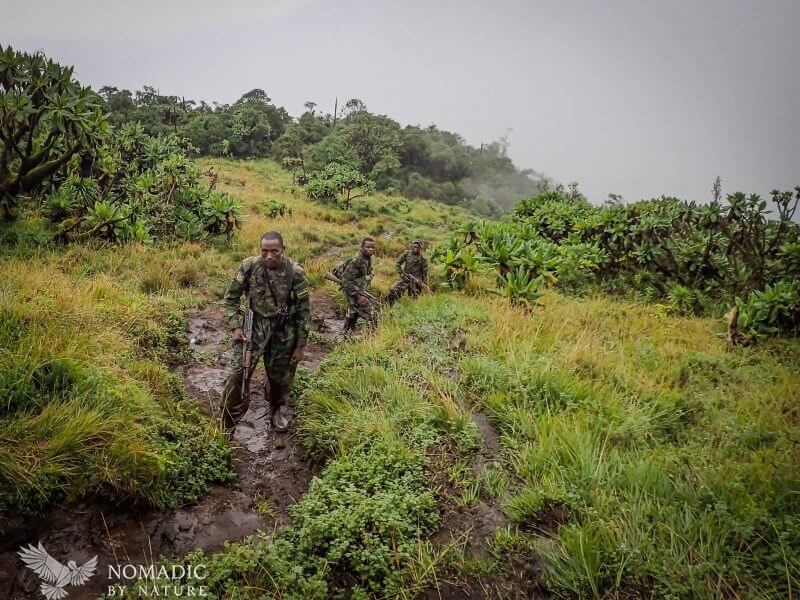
(637, 458)
(591, 447)
(89, 406)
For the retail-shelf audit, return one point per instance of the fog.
(636, 98)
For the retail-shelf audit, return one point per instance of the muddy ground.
(271, 476)
(473, 527)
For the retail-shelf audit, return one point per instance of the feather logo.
(55, 576)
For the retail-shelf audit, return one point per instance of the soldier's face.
(416, 249)
(271, 252)
(368, 248)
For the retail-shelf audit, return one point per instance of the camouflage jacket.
(357, 275)
(417, 266)
(291, 288)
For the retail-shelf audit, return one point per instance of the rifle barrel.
(335, 279)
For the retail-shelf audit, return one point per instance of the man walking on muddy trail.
(355, 277)
(413, 270)
(277, 291)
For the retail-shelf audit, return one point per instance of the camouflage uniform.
(411, 264)
(356, 277)
(274, 345)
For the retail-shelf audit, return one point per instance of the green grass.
(638, 458)
(675, 461)
(88, 404)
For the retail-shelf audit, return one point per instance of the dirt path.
(270, 473)
(474, 526)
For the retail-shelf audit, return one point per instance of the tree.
(375, 140)
(336, 180)
(332, 149)
(46, 118)
(255, 123)
(119, 103)
(206, 131)
(354, 105)
(307, 131)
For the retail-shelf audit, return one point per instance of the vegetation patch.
(88, 406)
(693, 258)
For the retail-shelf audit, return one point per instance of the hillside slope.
(591, 447)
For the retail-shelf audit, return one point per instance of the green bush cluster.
(139, 188)
(775, 309)
(46, 119)
(690, 256)
(95, 181)
(276, 208)
(335, 184)
(353, 534)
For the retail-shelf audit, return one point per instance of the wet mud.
(271, 476)
(476, 523)
(473, 527)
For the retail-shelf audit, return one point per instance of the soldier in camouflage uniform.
(275, 285)
(410, 262)
(356, 278)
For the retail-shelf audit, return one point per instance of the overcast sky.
(635, 97)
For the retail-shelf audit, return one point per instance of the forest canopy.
(419, 162)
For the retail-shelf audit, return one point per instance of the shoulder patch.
(245, 268)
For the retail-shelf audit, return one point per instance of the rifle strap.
(285, 303)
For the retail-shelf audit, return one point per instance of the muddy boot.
(276, 397)
(233, 406)
(349, 325)
(278, 421)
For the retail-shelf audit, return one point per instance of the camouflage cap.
(417, 242)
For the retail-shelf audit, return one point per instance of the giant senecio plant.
(46, 118)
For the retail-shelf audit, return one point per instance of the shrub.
(356, 530)
(336, 183)
(276, 208)
(692, 256)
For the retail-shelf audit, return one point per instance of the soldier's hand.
(362, 300)
(298, 354)
(238, 334)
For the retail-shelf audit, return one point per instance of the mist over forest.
(418, 162)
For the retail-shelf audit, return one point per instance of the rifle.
(247, 346)
(409, 278)
(335, 279)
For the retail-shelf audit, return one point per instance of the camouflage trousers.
(399, 288)
(276, 349)
(354, 311)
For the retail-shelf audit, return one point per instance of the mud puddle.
(271, 476)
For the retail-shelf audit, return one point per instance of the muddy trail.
(472, 527)
(271, 476)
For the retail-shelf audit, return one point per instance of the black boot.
(350, 324)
